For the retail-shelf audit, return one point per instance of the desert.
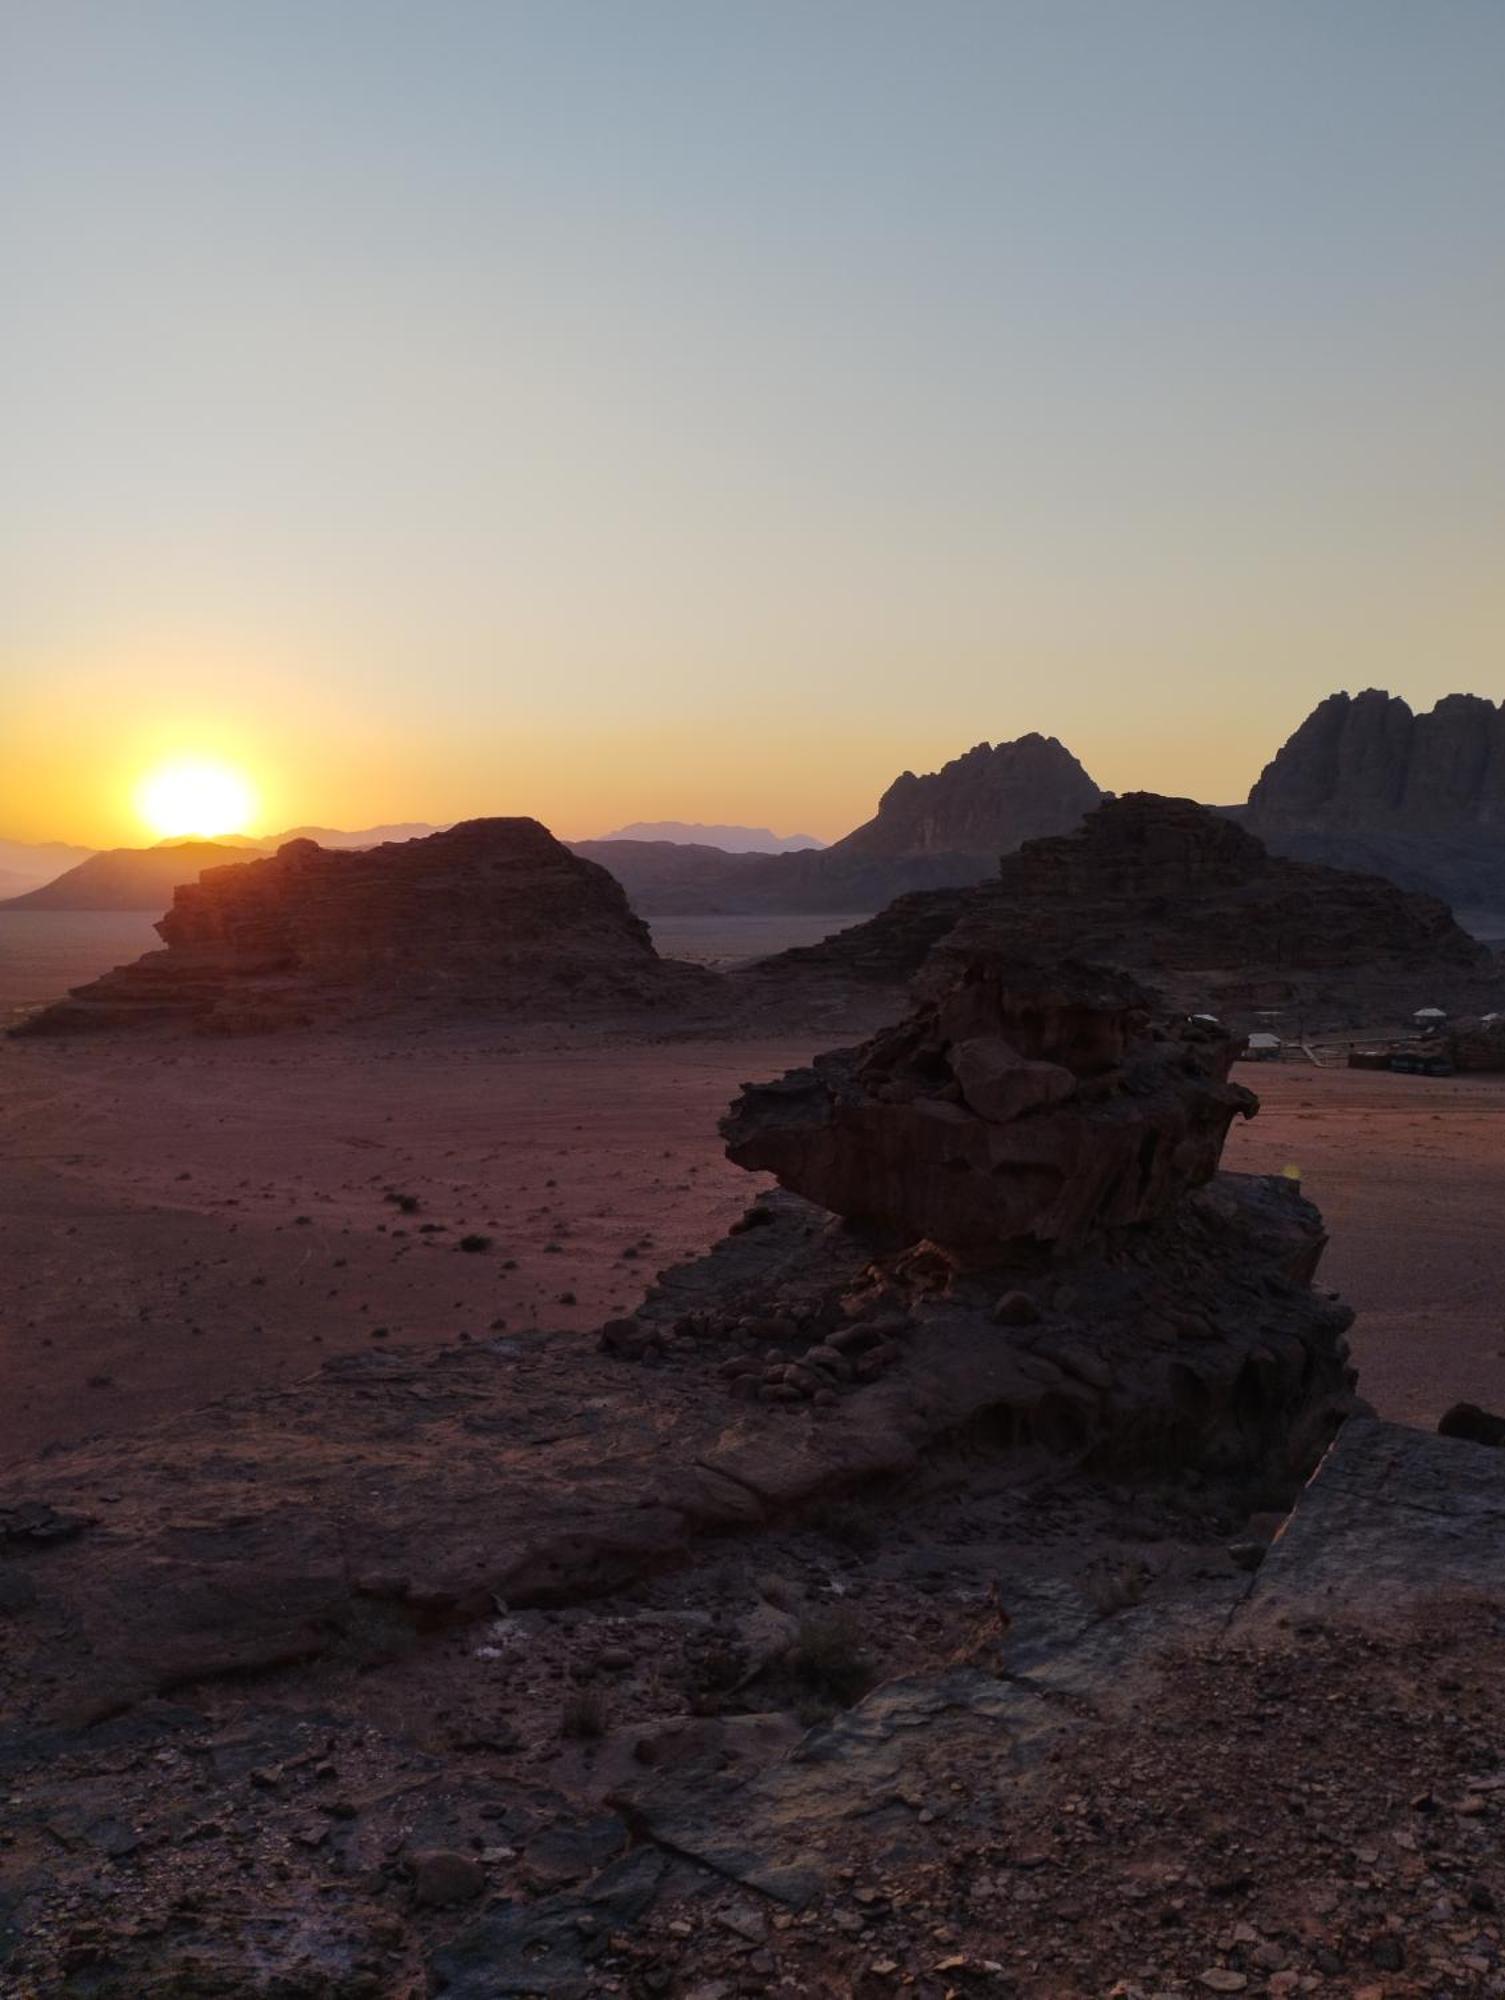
(519, 1444)
(752, 1001)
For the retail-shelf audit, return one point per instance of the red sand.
(1409, 1173)
(150, 1198)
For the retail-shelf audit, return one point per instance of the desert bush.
(829, 1658)
(583, 1717)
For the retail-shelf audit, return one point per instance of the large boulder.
(491, 913)
(1015, 1104)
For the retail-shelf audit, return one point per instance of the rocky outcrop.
(1367, 761)
(1365, 782)
(1017, 1105)
(493, 913)
(126, 878)
(1180, 896)
(945, 828)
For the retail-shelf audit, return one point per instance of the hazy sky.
(705, 408)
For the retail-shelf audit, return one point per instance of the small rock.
(1016, 1309)
(441, 1877)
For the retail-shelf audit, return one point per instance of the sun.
(195, 796)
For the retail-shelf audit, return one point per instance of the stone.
(1468, 1421)
(1016, 1309)
(443, 1878)
(875, 1134)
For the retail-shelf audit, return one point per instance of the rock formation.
(126, 878)
(492, 913)
(1007, 1211)
(1366, 783)
(1179, 895)
(1018, 1104)
(947, 827)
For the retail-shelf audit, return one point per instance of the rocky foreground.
(874, 1610)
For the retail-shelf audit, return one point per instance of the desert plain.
(251, 1208)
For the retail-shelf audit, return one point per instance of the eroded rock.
(1018, 1104)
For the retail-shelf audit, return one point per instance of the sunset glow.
(192, 798)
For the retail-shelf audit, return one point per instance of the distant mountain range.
(28, 864)
(1363, 784)
(143, 878)
(127, 878)
(731, 839)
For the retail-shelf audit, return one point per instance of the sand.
(1409, 1173)
(179, 1220)
(182, 1220)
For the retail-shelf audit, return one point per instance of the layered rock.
(944, 828)
(1181, 896)
(491, 913)
(1015, 1105)
(1364, 782)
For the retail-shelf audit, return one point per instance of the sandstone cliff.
(492, 913)
(1364, 782)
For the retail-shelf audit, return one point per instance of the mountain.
(1365, 783)
(1194, 905)
(26, 865)
(946, 828)
(127, 878)
(984, 802)
(730, 839)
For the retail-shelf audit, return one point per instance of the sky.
(617, 409)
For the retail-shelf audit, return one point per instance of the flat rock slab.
(885, 1765)
(1391, 1519)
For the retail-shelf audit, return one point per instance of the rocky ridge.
(489, 914)
(1178, 895)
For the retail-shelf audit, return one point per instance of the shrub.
(829, 1657)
